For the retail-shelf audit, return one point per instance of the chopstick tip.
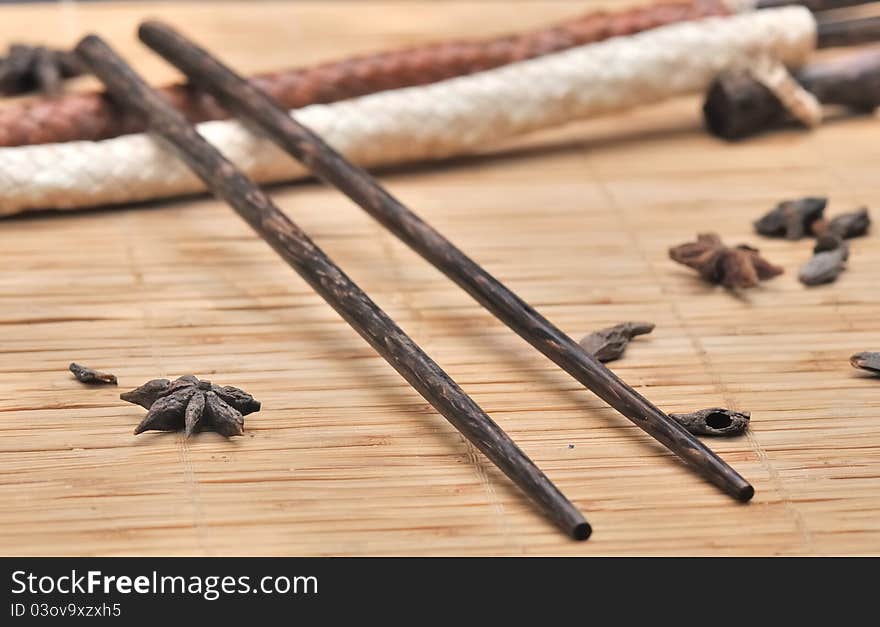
(745, 493)
(582, 531)
(149, 24)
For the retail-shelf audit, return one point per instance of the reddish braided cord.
(92, 116)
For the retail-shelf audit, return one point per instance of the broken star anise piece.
(829, 260)
(714, 421)
(866, 361)
(738, 267)
(84, 374)
(190, 404)
(844, 226)
(36, 68)
(792, 219)
(610, 344)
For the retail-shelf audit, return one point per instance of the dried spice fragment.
(827, 242)
(88, 375)
(192, 405)
(36, 68)
(844, 226)
(714, 421)
(47, 72)
(15, 69)
(737, 105)
(610, 344)
(739, 267)
(829, 260)
(866, 361)
(792, 219)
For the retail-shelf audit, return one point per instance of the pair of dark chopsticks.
(230, 184)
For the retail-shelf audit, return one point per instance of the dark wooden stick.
(47, 72)
(738, 106)
(249, 101)
(295, 247)
(812, 5)
(832, 33)
(852, 80)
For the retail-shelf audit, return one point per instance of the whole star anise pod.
(187, 403)
(738, 267)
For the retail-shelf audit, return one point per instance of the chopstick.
(248, 101)
(227, 182)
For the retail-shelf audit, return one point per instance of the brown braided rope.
(92, 116)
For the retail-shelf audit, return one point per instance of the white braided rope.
(452, 117)
(740, 6)
(799, 102)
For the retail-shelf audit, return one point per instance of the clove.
(610, 344)
(714, 421)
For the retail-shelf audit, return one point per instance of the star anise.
(188, 403)
(36, 68)
(792, 219)
(738, 267)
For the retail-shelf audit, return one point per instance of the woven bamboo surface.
(346, 459)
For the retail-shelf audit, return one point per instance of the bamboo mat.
(346, 459)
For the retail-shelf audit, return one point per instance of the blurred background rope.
(92, 116)
(456, 116)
